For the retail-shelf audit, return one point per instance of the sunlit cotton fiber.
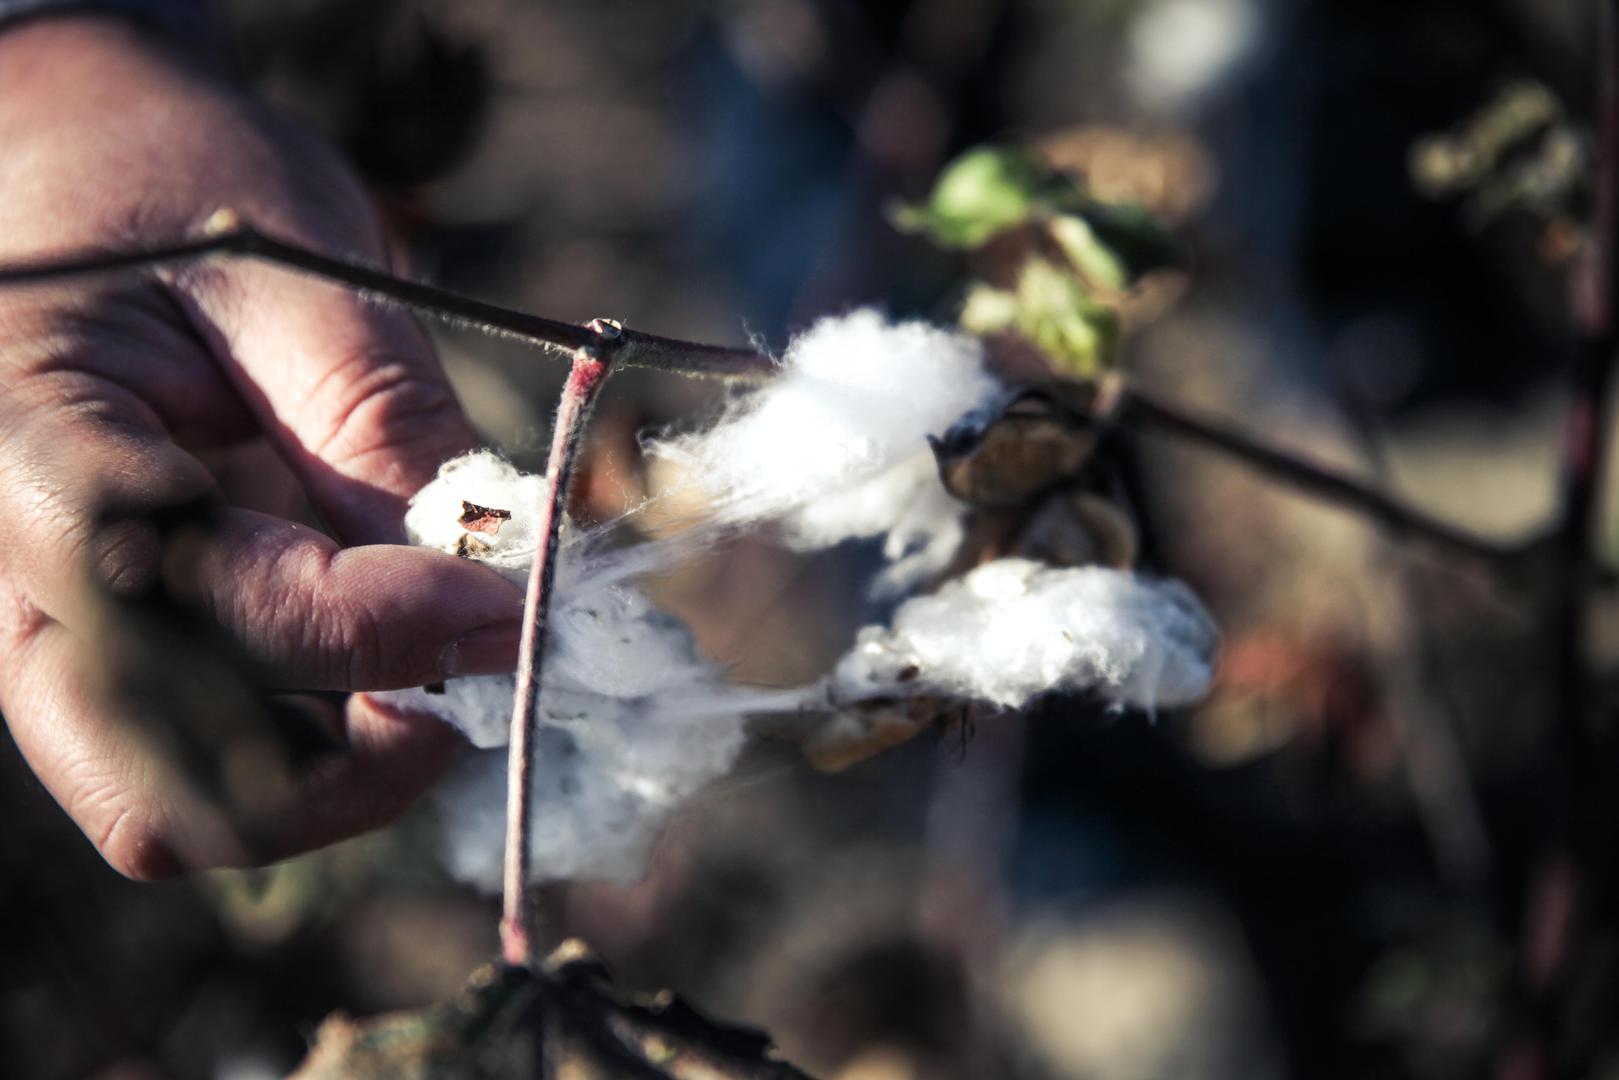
(632, 719)
(1012, 629)
(835, 446)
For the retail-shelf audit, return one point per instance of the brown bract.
(482, 519)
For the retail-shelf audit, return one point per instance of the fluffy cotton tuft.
(835, 445)
(610, 774)
(445, 514)
(1012, 629)
(632, 719)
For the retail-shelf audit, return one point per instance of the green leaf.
(1137, 240)
(989, 190)
(1094, 260)
(1054, 309)
(989, 310)
(983, 192)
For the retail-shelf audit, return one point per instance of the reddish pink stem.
(519, 916)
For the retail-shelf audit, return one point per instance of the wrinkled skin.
(138, 389)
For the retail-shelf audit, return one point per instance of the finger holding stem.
(591, 363)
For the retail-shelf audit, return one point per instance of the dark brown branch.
(629, 348)
(1112, 403)
(228, 237)
(1318, 481)
(1586, 438)
(1571, 887)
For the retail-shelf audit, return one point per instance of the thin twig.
(1585, 434)
(1572, 884)
(226, 236)
(519, 918)
(632, 349)
(1117, 404)
(1319, 481)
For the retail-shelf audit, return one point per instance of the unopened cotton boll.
(1012, 629)
(835, 445)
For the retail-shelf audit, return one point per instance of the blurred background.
(1332, 868)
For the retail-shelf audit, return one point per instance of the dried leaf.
(482, 519)
(1017, 455)
(470, 547)
(861, 732)
(1079, 528)
(565, 1020)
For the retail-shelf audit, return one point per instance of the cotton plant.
(863, 428)
(843, 441)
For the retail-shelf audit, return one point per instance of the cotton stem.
(519, 918)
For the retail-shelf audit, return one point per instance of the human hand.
(116, 392)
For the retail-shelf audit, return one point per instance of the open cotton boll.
(479, 707)
(461, 511)
(835, 445)
(609, 773)
(608, 779)
(1012, 629)
(605, 639)
(632, 720)
(606, 784)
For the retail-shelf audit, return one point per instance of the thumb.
(318, 617)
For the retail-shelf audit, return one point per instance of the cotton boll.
(923, 523)
(1012, 629)
(479, 707)
(610, 774)
(446, 514)
(835, 446)
(612, 763)
(632, 721)
(603, 636)
(604, 639)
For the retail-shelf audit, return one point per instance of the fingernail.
(490, 651)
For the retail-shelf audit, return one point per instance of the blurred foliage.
(1517, 152)
(983, 193)
(1079, 255)
(1058, 313)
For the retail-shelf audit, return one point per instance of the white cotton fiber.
(835, 445)
(464, 487)
(632, 719)
(1012, 630)
(479, 707)
(610, 774)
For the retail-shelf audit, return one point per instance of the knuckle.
(323, 639)
(360, 644)
(125, 829)
(136, 849)
(22, 621)
(125, 557)
(341, 638)
(385, 406)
